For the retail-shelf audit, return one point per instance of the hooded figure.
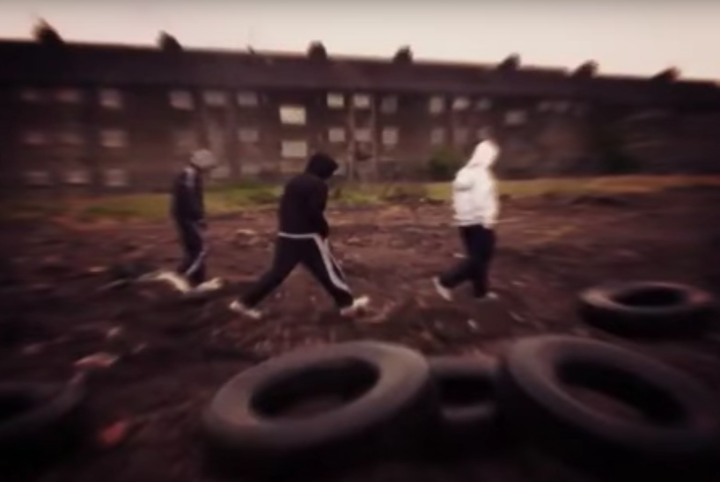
(188, 213)
(475, 206)
(474, 193)
(302, 239)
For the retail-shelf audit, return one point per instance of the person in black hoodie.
(188, 213)
(302, 238)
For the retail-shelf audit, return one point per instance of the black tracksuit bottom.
(192, 267)
(313, 253)
(479, 243)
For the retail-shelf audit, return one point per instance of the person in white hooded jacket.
(476, 206)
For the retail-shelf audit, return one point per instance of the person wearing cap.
(187, 210)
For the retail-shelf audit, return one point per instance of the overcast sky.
(634, 36)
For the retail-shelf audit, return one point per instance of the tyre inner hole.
(651, 298)
(620, 394)
(315, 390)
(459, 391)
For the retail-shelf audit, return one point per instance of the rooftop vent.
(668, 75)
(510, 64)
(317, 51)
(44, 33)
(587, 70)
(168, 43)
(403, 55)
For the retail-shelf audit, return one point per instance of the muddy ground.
(175, 354)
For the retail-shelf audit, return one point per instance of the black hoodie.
(303, 201)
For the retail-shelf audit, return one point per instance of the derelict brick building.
(109, 117)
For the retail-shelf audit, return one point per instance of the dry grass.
(152, 207)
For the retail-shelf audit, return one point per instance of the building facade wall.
(133, 137)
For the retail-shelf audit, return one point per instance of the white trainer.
(211, 285)
(445, 293)
(490, 296)
(358, 305)
(175, 280)
(241, 309)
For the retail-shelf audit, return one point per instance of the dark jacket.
(187, 203)
(302, 205)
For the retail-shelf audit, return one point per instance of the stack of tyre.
(325, 408)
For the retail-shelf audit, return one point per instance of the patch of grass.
(404, 192)
(30, 209)
(635, 184)
(154, 207)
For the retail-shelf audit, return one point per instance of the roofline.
(567, 71)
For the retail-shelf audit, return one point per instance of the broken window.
(336, 134)
(116, 178)
(185, 140)
(247, 99)
(437, 136)
(215, 98)
(389, 104)
(335, 101)
(77, 177)
(294, 149)
(361, 101)
(363, 134)
(483, 104)
(34, 138)
(37, 178)
(461, 135)
(31, 95)
(461, 103)
(70, 138)
(390, 136)
(222, 171)
(436, 105)
(110, 98)
(292, 114)
(181, 99)
(248, 135)
(68, 96)
(113, 138)
(250, 168)
(515, 117)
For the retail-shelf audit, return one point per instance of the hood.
(203, 159)
(321, 165)
(483, 156)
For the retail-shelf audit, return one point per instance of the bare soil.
(175, 354)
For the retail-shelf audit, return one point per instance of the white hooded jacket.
(475, 199)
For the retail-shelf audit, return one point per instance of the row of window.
(76, 177)
(181, 99)
(187, 139)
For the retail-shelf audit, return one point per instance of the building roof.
(119, 65)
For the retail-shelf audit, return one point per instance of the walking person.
(476, 206)
(302, 238)
(188, 214)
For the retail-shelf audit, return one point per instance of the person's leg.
(318, 260)
(286, 257)
(483, 249)
(463, 270)
(192, 267)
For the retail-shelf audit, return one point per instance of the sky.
(639, 37)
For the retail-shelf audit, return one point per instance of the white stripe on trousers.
(327, 258)
(201, 255)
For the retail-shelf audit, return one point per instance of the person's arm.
(464, 180)
(317, 201)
